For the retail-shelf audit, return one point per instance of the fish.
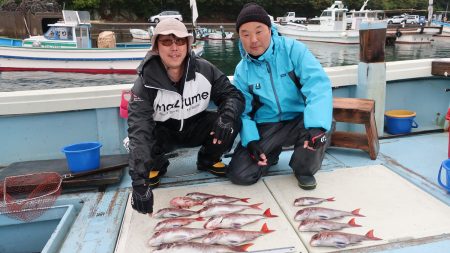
(323, 213)
(199, 195)
(173, 212)
(308, 201)
(234, 237)
(236, 220)
(184, 202)
(221, 209)
(171, 235)
(195, 247)
(176, 222)
(339, 239)
(223, 200)
(320, 225)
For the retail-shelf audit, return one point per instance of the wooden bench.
(357, 111)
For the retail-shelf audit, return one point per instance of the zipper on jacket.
(182, 99)
(273, 88)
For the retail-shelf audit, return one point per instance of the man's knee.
(242, 179)
(243, 175)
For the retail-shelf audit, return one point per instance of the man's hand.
(222, 130)
(257, 153)
(142, 199)
(316, 139)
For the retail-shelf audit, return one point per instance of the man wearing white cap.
(168, 110)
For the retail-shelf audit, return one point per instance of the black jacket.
(157, 100)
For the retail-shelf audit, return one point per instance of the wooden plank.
(440, 68)
(350, 140)
(372, 135)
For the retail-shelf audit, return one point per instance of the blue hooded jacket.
(283, 83)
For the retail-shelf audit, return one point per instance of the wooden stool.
(357, 111)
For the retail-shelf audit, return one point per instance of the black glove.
(142, 199)
(223, 129)
(255, 150)
(316, 138)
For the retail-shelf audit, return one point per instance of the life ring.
(398, 34)
(63, 33)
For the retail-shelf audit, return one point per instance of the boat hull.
(123, 61)
(340, 37)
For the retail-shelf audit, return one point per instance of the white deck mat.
(138, 228)
(396, 209)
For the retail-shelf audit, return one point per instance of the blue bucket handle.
(439, 178)
(414, 124)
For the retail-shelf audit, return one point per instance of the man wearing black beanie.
(288, 101)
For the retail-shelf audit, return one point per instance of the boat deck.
(398, 193)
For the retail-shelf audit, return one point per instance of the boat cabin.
(334, 18)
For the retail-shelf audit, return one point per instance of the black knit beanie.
(252, 12)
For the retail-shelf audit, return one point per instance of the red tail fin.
(356, 212)
(268, 214)
(330, 199)
(243, 248)
(255, 206)
(371, 236)
(353, 223)
(265, 229)
(245, 200)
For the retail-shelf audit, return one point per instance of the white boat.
(220, 34)
(142, 34)
(332, 27)
(66, 47)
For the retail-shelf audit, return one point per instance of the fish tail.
(244, 200)
(356, 212)
(255, 206)
(268, 214)
(353, 223)
(242, 248)
(371, 236)
(330, 199)
(199, 219)
(265, 229)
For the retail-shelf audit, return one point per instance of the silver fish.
(236, 220)
(199, 195)
(223, 200)
(221, 209)
(339, 239)
(176, 223)
(323, 213)
(308, 201)
(320, 225)
(184, 202)
(234, 237)
(171, 235)
(173, 212)
(195, 247)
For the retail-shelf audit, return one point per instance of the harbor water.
(225, 55)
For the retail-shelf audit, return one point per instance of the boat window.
(59, 33)
(339, 16)
(326, 14)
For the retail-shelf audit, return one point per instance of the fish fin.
(352, 223)
(356, 212)
(255, 206)
(371, 236)
(236, 225)
(244, 200)
(243, 248)
(323, 217)
(340, 245)
(199, 219)
(330, 199)
(265, 229)
(268, 214)
(325, 228)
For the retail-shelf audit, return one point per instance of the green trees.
(227, 10)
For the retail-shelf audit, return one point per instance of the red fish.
(223, 200)
(221, 209)
(173, 212)
(234, 237)
(171, 235)
(339, 239)
(236, 220)
(199, 247)
(308, 201)
(323, 213)
(175, 223)
(320, 225)
(184, 202)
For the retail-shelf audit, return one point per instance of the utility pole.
(430, 12)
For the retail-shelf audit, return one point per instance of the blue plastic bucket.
(400, 121)
(83, 156)
(446, 165)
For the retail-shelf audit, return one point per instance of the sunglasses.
(169, 42)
